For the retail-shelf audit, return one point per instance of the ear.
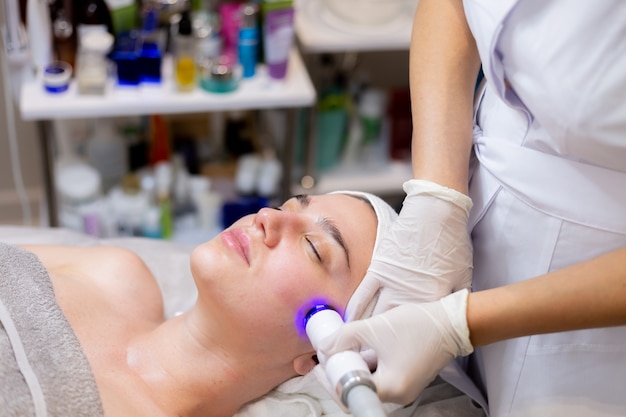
(305, 363)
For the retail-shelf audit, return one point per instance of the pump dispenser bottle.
(184, 49)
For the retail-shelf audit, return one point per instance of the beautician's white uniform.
(549, 189)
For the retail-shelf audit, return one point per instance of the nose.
(277, 224)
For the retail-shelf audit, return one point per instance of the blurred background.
(184, 172)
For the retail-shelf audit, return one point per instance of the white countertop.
(259, 92)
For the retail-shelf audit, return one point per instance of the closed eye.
(317, 254)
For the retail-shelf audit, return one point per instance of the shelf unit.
(319, 31)
(261, 92)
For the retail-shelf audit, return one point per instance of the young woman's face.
(260, 275)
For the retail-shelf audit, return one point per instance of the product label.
(279, 45)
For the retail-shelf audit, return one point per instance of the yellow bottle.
(185, 73)
(185, 68)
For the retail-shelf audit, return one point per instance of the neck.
(192, 372)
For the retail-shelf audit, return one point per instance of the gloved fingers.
(405, 286)
(426, 254)
(370, 358)
(402, 285)
(430, 233)
(413, 343)
(357, 335)
(402, 389)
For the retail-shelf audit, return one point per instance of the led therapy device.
(347, 372)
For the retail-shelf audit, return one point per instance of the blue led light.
(306, 311)
(316, 309)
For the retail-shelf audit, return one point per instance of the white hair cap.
(386, 215)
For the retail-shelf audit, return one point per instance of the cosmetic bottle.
(150, 50)
(159, 148)
(371, 110)
(207, 202)
(126, 58)
(77, 183)
(106, 151)
(163, 178)
(248, 40)
(92, 62)
(229, 18)
(64, 38)
(39, 29)
(270, 176)
(92, 15)
(278, 36)
(123, 14)
(184, 50)
(151, 224)
(206, 31)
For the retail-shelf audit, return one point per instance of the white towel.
(305, 397)
(301, 396)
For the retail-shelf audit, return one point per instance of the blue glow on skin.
(300, 321)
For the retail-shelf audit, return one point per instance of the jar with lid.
(92, 63)
(217, 76)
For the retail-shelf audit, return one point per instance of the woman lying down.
(83, 330)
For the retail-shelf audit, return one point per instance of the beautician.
(545, 140)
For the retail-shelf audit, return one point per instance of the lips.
(237, 240)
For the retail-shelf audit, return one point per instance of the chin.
(201, 259)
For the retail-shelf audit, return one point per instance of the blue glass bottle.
(125, 57)
(150, 55)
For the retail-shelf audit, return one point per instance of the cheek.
(292, 288)
(288, 281)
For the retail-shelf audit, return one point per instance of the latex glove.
(426, 255)
(413, 343)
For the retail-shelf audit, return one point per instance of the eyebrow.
(328, 225)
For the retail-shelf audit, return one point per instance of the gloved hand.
(426, 255)
(413, 343)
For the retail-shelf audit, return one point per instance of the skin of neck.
(197, 366)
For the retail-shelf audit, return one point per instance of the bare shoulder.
(60, 256)
(112, 274)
